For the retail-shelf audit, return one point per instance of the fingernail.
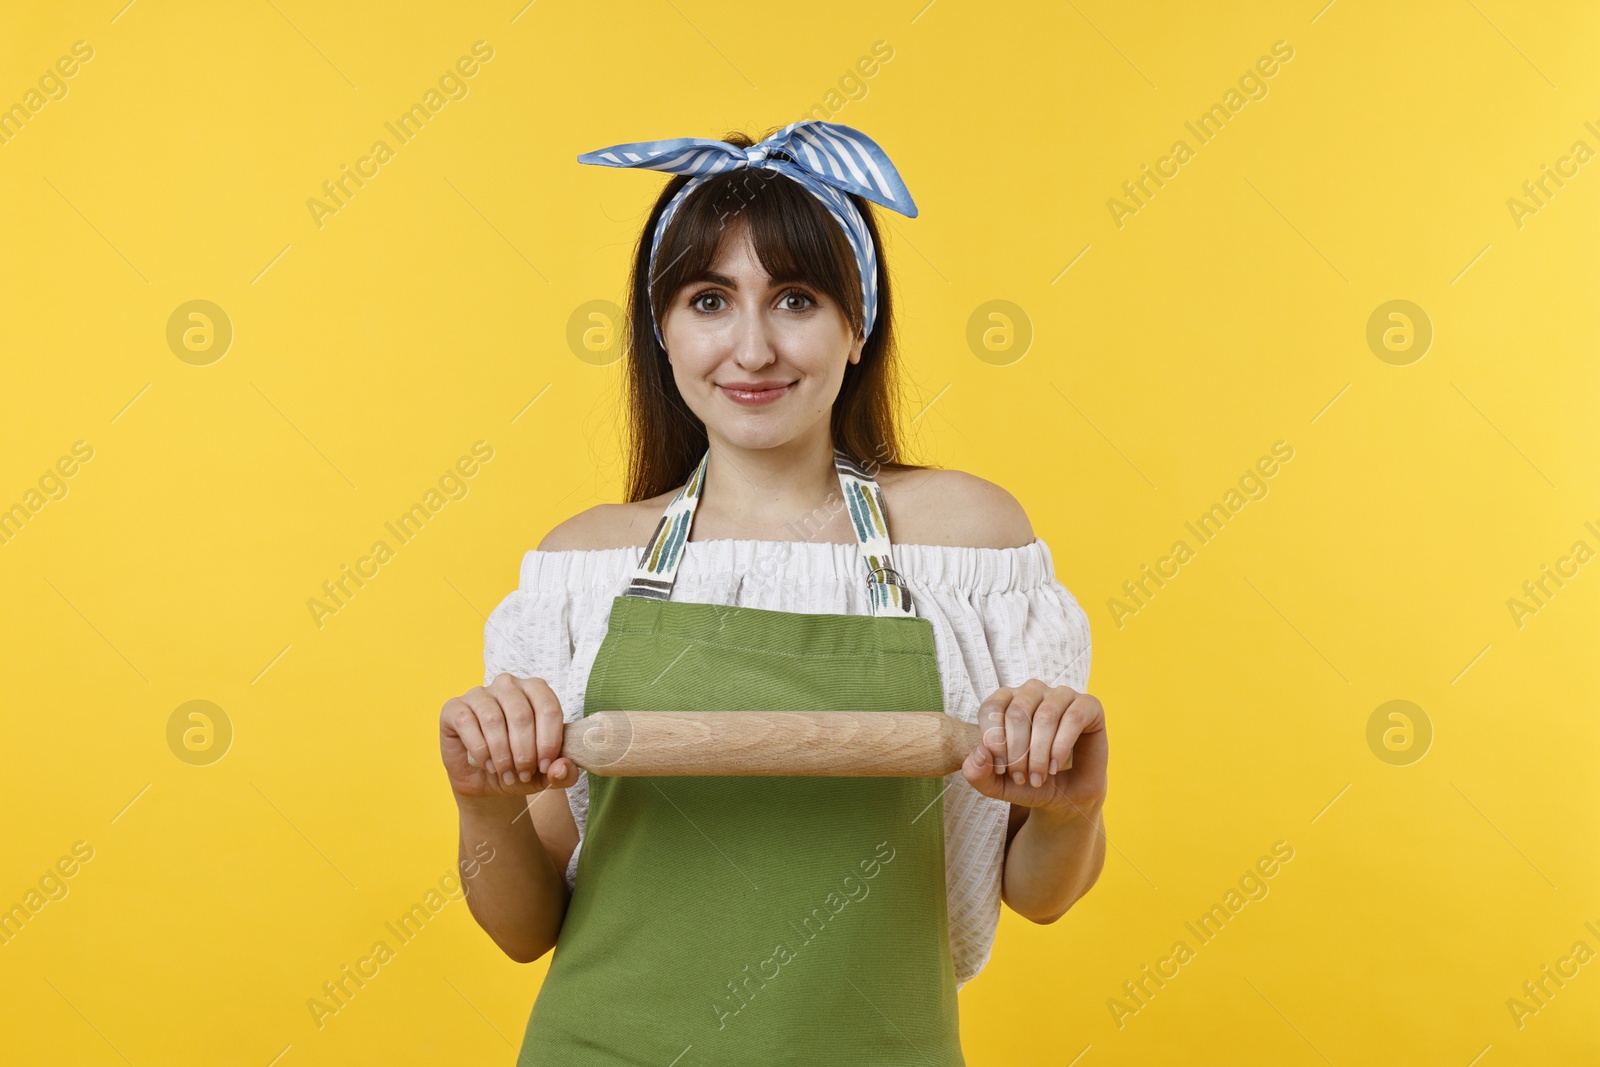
(1052, 766)
(506, 778)
(488, 765)
(544, 765)
(1016, 776)
(526, 776)
(1034, 779)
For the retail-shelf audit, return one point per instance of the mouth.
(754, 393)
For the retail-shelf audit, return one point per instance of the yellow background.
(1229, 313)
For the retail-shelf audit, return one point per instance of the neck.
(780, 493)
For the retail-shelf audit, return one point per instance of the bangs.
(796, 239)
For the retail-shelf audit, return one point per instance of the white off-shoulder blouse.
(999, 618)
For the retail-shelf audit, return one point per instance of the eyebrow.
(723, 279)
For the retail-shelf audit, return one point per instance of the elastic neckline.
(718, 561)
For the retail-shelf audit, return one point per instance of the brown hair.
(796, 239)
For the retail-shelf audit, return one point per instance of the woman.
(774, 554)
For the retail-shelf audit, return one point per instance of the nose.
(752, 341)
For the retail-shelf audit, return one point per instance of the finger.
(492, 721)
(518, 711)
(979, 770)
(992, 718)
(563, 773)
(1066, 738)
(1019, 729)
(548, 727)
(1089, 751)
(1048, 721)
(462, 721)
(1091, 715)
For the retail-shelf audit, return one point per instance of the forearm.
(1053, 861)
(518, 896)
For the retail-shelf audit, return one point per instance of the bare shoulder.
(607, 526)
(950, 507)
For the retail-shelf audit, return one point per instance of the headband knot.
(827, 159)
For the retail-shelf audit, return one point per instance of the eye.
(796, 294)
(709, 294)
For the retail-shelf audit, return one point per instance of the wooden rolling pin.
(880, 744)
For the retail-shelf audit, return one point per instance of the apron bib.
(757, 919)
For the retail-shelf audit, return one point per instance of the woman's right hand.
(511, 729)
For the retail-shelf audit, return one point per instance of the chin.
(758, 434)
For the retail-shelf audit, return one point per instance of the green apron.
(757, 920)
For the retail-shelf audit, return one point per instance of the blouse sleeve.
(1009, 621)
(1041, 634)
(535, 632)
(529, 635)
(1002, 617)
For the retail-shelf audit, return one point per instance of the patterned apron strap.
(886, 590)
(658, 565)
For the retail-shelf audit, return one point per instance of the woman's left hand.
(1028, 733)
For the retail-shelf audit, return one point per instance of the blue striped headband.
(828, 159)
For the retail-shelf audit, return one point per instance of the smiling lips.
(753, 394)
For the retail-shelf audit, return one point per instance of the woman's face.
(759, 362)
